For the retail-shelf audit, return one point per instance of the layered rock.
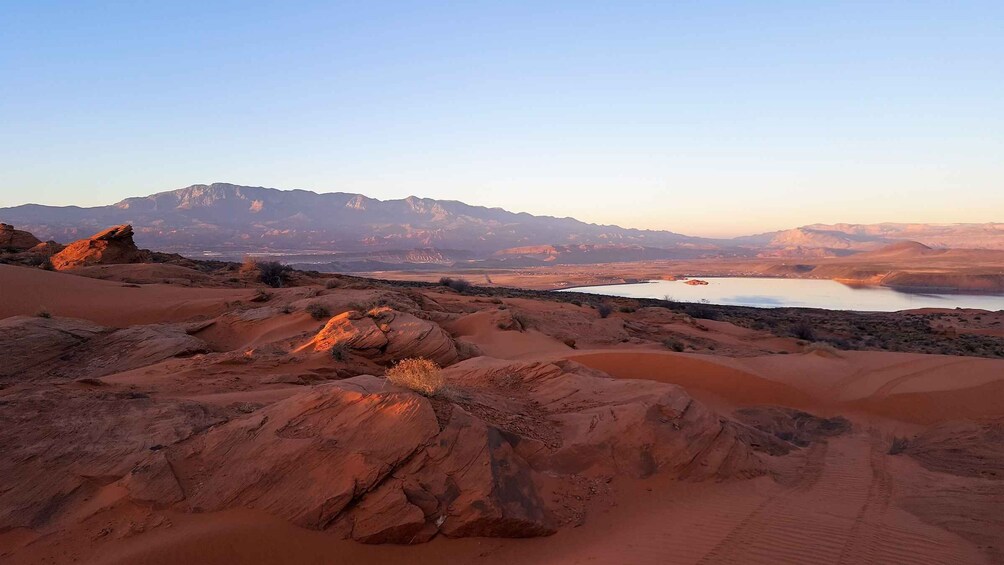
(111, 246)
(16, 240)
(386, 335)
(60, 348)
(379, 464)
(90, 438)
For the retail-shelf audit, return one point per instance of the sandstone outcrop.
(61, 348)
(16, 240)
(379, 464)
(111, 246)
(90, 438)
(385, 335)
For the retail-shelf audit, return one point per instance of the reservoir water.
(803, 293)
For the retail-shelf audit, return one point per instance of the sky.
(706, 118)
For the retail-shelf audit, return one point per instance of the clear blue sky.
(709, 118)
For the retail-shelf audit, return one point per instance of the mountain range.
(230, 220)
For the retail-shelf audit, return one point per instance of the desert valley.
(160, 409)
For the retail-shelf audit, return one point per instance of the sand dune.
(590, 408)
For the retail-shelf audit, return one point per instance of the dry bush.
(340, 352)
(249, 268)
(261, 296)
(604, 309)
(43, 313)
(899, 445)
(674, 344)
(318, 311)
(802, 329)
(459, 285)
(420, 375)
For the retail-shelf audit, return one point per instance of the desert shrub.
(604, 309)
(43, 313)
(898, 446)
(261, 296)
(420, 375)
(459, 285)
(628, 309)
(702, 311)
(576, 302)
(332, 283)
(249, 267)
(47, 264)
(273, 273)
(802, 329)
(340, 352)
(287, 309)
(318, 311)
(522, 321)
(674, 344)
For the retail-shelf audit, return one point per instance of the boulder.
(385, 336)
(16, 240)
(111, 246)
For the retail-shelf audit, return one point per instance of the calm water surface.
(805, 293)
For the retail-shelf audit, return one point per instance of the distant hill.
(232, 220)
(868, 237)
(227, 217)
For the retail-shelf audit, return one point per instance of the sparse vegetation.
(271, 273)
(674, 344)
(604, 309)
(899, 445)
(522, 321)
(261, 296)
(43, 313)
(318, 311)
(332, 283)
(459, 285)
(420, 375)
(340, 352)
(802, 329)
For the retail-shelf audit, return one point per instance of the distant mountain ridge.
(230, 217)
(233, 219)
(866, 237)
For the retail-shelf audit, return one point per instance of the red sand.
(841, 501)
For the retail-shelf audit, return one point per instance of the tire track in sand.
(837, 513)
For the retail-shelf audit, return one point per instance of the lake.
(803, 293)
